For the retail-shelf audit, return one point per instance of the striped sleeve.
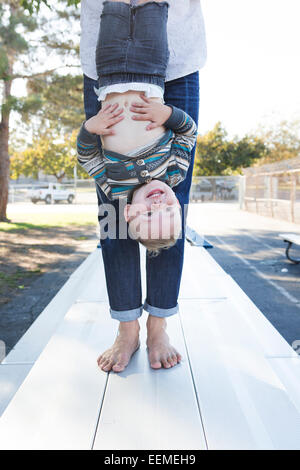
(89, 156)
(184, 127)
(185, 136)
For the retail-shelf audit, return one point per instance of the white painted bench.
(291, 239)
(237, 387)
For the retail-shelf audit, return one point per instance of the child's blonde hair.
(154, 247)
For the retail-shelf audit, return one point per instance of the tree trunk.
(60, 178)
(4, 156)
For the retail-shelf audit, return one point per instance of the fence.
(273, 194)
(83, 191)
(215, 189)
(203, 189)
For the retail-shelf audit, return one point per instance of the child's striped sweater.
(167, 159)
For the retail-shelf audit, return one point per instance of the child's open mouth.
(155, 193)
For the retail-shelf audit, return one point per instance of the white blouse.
(186, 37)
(151, 91)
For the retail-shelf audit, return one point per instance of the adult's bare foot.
(127, 342)
(161, 352)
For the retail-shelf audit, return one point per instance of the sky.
(252, 74)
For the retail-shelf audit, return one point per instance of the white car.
(50, 193)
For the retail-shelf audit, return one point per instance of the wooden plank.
(202, 277)
(93, 287)
(205, 283)
(58, 404)
(194, 255)
(32, 343)
(243, 403)
(92, 260)
(201, 286)
(271, 341)
(288, 370)
(11, 377)
(151, 409)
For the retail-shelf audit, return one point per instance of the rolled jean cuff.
(160, 312)
(126, 315)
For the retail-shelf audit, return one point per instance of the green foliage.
(29, 43)
(15, 24)
(217, 155)
(50, 153)
(13, 29)
(282, 141)
(34, 5)
(61, 99)
(27, 106)
(25, 55)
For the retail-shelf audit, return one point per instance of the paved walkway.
(248, 248)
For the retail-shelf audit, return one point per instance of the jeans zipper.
(132, 15)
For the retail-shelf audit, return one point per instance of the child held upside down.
(145, 144)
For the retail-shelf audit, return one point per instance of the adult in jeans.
(186, 37)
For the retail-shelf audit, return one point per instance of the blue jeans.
(133, 44)
(121, 257)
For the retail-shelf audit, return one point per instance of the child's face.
(154, 212)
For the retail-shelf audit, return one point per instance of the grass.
(42, 221)
(13, 280)
(35, 242)
(11, 227)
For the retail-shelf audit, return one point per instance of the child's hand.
(103, 122)
(150, 110)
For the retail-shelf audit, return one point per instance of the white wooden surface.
(273, 344)
(11, 378)
(288, 371)
(238, 386)
(244, 404)
(17, 364)
(36, 337)
(93, 289)
(146, 409)
(58, 404)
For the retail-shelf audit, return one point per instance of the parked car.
(50, 192)
(201, 190)
(225, 188)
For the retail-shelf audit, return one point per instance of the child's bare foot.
(127, 342)
(161, 353)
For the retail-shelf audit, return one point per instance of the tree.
(282, 141)
(217, 155)
(62, 101)
(19, 59)
(50, 152)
